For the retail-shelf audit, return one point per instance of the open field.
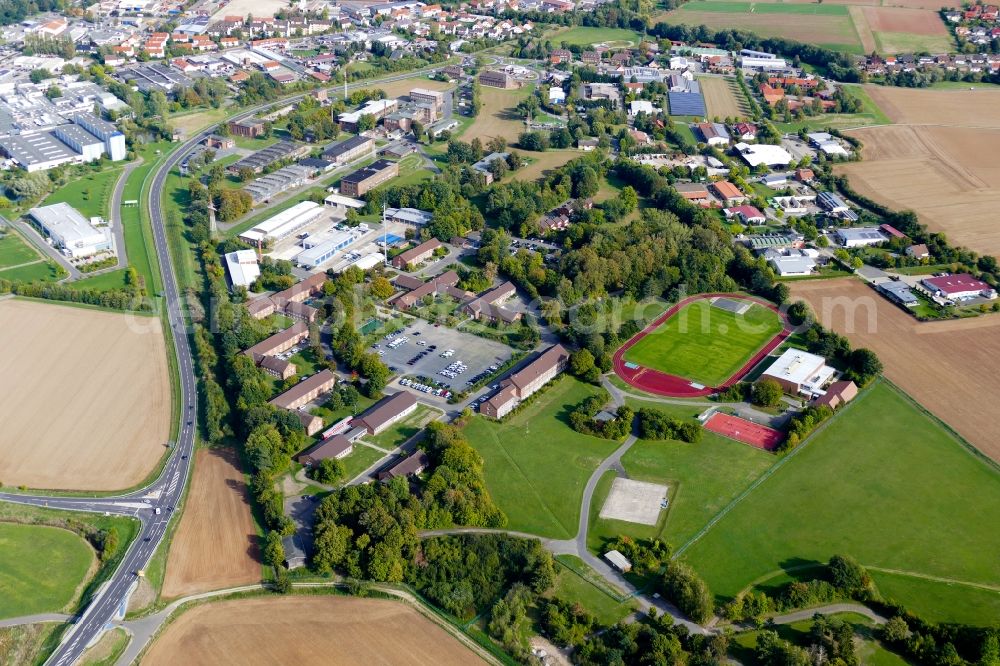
(853, 26)
(303, 630)
(245, 7)
(536, 465)
(107, 650)
(90, 194)
(587, 36)
(28, 643)
(942, 602)
(189, 123)
(216, 542)
(14, 250)
(950, 367)
(43, 568)
(542, 163)
(87, 396)
(405, 428)
(497, 116)
(880, 462)
(704, 343)
(577, 581)
(723, 98)
(939, 161)
(404, 86)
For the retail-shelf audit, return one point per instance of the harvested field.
(497, 116)
(216, 542)
(967, 108)
(952, 368)
(306, 630)
(949, 176)
(86, 397)
(722, 97)
(898, 19)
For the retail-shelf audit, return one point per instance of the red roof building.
(748, 214)
(958, 287)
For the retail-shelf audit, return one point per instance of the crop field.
(536, 465)
(497, 116)
(723, 98)
(947, 366)
(881, 461)
(704, 343)
(938, 161)
(216, 542)
(853, 26)
(43, 568)
(701, 478)
(87, 396)
(307, 630)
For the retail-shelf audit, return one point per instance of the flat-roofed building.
(70, 231)
(322, 252)
(368, 178)
(433, 97)
(495, 79)
(387, 411)
(83, 142)
(525, 382)
(859, 236)
(306, 391)
(243, 268)
(800, 373)
(283, 224)
(249, 128)
(379, 108)
(113, 139)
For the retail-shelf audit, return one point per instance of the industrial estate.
(523, 332)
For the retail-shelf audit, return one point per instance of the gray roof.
(78, 134)
(29, 149)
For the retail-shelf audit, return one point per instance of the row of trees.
(655, 424)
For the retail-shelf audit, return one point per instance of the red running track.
(744, 431)
(672, 386)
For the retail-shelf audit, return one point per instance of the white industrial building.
(86, 139)
(284, 224)
(318, 253)
(800, 373)
(114, 141)
(70, 231)
(763, 153)
(243, 267)
(859, 236)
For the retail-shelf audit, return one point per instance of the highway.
(153, 505)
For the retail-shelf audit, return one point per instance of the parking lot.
(415, 357)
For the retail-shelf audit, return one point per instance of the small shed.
(618, 561)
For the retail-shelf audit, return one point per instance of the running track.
(672, 386)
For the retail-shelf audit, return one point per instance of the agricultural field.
(44, 568)
(852, 26)
(701, 479)
(216, 542)
(704, 343)
(881, 461)
(536, 466)
(937, 160)
(954, 378)
(87, 402)
(497, 116)
(320, 630)
(723, 97)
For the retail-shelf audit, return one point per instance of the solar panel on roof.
(686, 104)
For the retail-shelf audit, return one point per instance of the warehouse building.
(114, 140)
(282, 180)
(73, 143)
(379, 108)
(70, 231)
(317, 254)
(267, 157)
(284, 224)
(368, 178)
(860, 236)
(242, 267)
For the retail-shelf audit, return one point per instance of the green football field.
(885, 483)
(705, 343)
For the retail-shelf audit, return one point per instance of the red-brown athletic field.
(748, 432)
(700, 345)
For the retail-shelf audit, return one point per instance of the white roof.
(641, 106)
(556, 93)
(341, 200)
(370, 261)
(372, 107)
(763, 153)
(861, 234)
(68, 225)
(285, 222)
(796, 366)
(243, 268)
(617, 559)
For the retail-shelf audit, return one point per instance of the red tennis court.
(741, 430)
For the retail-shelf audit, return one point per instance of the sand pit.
(634, 501)
(952, 368)
(86, 397)
(216, 542)
(325, 631)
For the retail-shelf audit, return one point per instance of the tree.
(329, 471)
(895, 630)
(689, 592)
(864, 365)
(847, 575)
(39, 75)
(581, 362)
(274, 550)
(246, 174)
(766, 392)
(381, 288)
(366, 123)
(417, 128)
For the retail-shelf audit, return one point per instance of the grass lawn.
(190, 122)
(870, 114)
(586, 36)
(536, 465)
(360, 459)
(331, 416)
(705, 343)
(940, 602)
(880, 462)
(402, 430)
(868, 649)
(701, 479)
(104, 281)
(90, 194)
(43, 271)
(135, 222)
(44, 567)
(577, 582)
(14, 250)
